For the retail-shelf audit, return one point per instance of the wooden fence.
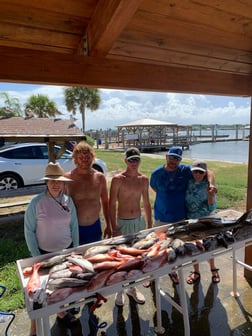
(8, 200)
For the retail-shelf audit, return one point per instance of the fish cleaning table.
(81, 297)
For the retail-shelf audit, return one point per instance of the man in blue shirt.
(170, 183)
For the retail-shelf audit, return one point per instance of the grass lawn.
(231, 179)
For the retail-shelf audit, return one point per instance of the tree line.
(40, 106)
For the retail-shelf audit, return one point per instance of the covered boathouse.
(151, 135)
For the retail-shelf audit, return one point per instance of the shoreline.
(160, 156)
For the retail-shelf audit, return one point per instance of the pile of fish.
(129, 257)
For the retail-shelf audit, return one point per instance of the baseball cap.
(199, 165)
(176, 151)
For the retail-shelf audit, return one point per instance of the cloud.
(122, 106)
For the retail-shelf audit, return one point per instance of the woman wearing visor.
(200, 202)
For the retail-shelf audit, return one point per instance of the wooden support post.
(248, 250)
(51, 154)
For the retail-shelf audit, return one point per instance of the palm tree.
(41, 106)
(78, 97)
(12, 106)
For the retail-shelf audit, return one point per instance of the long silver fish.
(83, 276)
(91, 251)
(58, 259)
(83, 263)
(144, 243)
(65, 273)
(66, 282)
(58, 267)
(126, 239)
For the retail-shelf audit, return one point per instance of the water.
(231, 151)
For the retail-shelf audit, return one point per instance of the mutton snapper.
(131, 250)
(61, 294)
(100, 257)
(129, 264)
(99, 280)
(153, 263)
(116, 277)
(134, 274)
(101, 266)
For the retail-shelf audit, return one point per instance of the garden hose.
(4, 315)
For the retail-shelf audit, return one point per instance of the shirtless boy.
(126, 191)
(89, 193)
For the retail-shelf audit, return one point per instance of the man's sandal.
(215, 277)
(174, 278)
(193, 278)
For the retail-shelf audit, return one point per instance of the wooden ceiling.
(200, 46)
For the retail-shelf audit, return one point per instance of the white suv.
(24, 164)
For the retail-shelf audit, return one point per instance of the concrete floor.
(212, 310)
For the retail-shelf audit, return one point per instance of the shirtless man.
(89, 193)
(126, 191)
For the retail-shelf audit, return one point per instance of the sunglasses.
(134, 159)
(198, 172)
(174, 157)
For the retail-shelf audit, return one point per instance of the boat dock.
(161, 138)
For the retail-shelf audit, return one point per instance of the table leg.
(46, 326)
(183, 302)
(234, 292)
(39, 327)
(158, 329)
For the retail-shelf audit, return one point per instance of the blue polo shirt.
(170, 190)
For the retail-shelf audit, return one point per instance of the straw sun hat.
(54, 171)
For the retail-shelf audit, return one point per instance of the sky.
(122, 106)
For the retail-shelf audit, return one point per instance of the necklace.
(64, 207)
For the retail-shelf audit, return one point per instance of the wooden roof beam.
(26, 66)
(107, 23)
